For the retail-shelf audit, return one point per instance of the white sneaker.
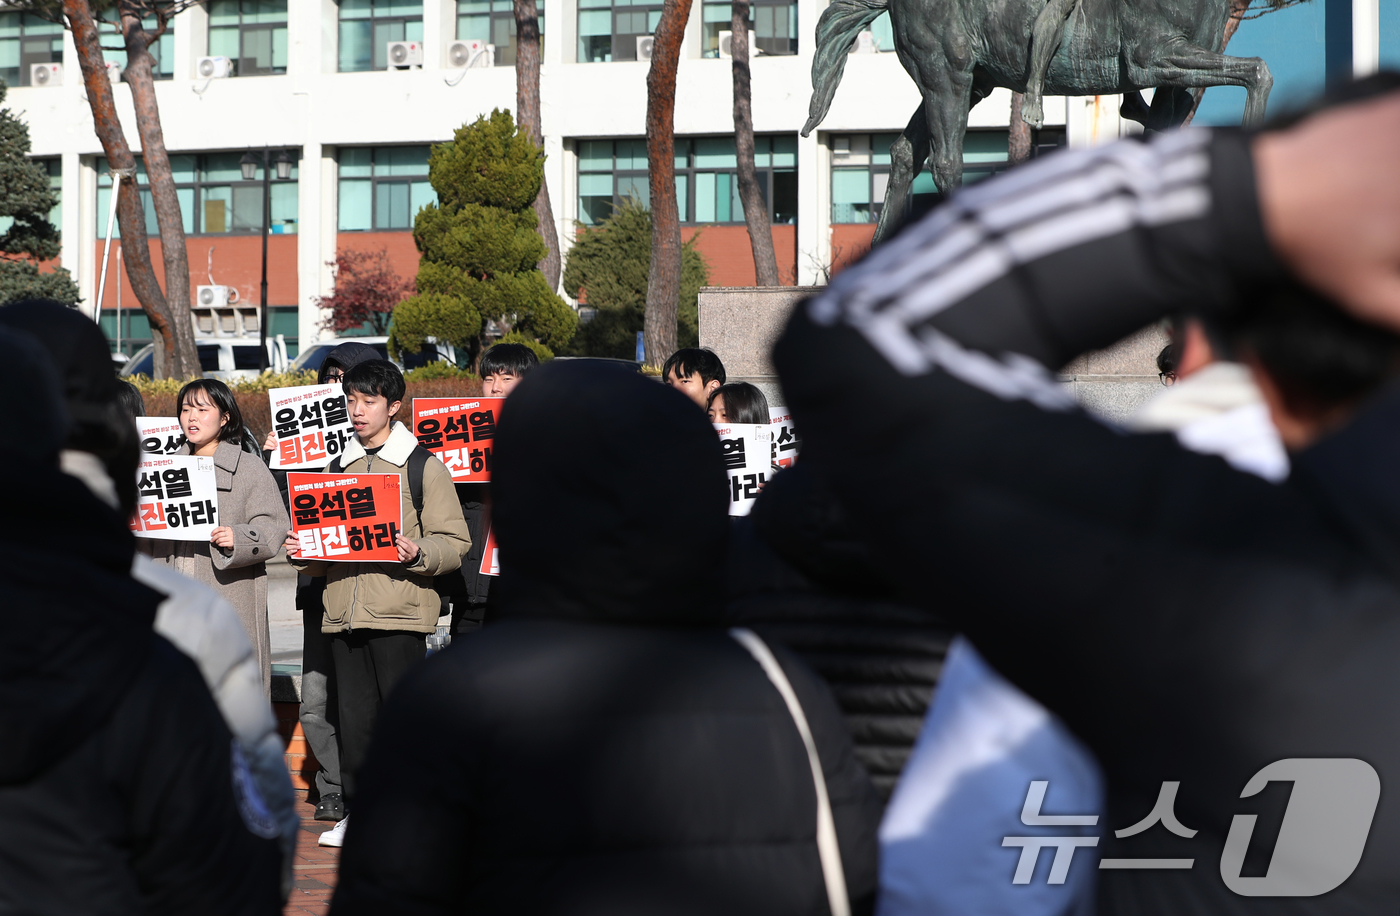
(336, 835)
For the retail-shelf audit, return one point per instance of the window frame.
(687, 175)
(501, 11)
(376, 48)
(616, 9)
(243, 28)
(376, 181)
(195, 217)
(45, 30)
(162, 50)
(710, 29)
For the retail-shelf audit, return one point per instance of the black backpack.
(448, 586)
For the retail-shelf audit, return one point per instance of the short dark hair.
(509, 358)
(222, 399)
(377, 378)
(743, 403)
(131, 399)
(690, 360)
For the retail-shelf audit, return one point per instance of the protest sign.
(311, 423)
(490, 557)
(786, 442)
(747, 449)
(160, 435)
(178, 498)
(460, 432)
(342, 518)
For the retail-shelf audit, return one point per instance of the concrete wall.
(741, 324)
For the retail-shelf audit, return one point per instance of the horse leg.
(1046, 35)
(1190, 67)
(945, 109)
(907, 157)
(1170, 106)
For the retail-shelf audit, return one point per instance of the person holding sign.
(378, 615)
(695, 372)
(738, 402)
(251, 514)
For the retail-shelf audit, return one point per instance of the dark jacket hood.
(609, 500)
(351, 354)
(78, 352)
(75, 629)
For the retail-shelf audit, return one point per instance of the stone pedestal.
(741, 324)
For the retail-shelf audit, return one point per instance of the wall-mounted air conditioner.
(114, 72)
(215, 296)
(470, 54)
(214, 68)
(726, 45)
(46, 74)
(404, 54)
(644, 45)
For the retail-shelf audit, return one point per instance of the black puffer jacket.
(800, 576)
(117, 775)
(606, 748)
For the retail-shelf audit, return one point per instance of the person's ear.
(223, 420)
(394, 408)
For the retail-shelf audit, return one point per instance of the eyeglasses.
(1167, 378)
(334, 375)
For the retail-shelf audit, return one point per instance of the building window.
(860, 169)
(610, 29)
(706, 184)
(367, 27)
(214, 198)
(493, 21)
(114, 49)
(26, 40)
(251, 33)
(383, 187)
(773, 22)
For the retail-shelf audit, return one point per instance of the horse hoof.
(1033, 115)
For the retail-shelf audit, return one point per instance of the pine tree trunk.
(527, 115)
(664, 278)
(765, 262)
(183, 356)
(1018, 147)
(136, 254)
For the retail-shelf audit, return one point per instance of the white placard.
(178, 498)
(747, 449)
(786, 441)
(160, 435)
(312, 425)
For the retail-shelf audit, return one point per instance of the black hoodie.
(606, 747)
(116, 770)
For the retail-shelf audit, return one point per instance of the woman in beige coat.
(252, 519)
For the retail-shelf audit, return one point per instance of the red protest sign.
(461, 432)
(490, 557)
(341, 518)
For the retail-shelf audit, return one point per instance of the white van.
(224, 358)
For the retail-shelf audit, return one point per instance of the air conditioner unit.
(726, 45)
(216, 296)
(470, 54)
(644, 45)
(404, 54)
(114, 72)
(45, 74)
(213, 68)
(865, 43)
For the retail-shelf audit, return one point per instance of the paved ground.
(282, 616)
(314, 868)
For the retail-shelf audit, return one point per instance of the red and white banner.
(312, 425)
(747, 460)
(350, 519)
(461, 432)
(786, 441)
(178, 498)
(490, 557)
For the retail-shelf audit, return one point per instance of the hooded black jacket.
(801, 575)
(117, 773)
(1189, 622)
(605, 748)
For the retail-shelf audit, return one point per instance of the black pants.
(367, 665)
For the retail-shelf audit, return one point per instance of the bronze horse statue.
(958, 51)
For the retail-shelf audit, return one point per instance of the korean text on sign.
(160, 435)
(312, 425)
(178, 498)
(347, 519)
(786, 442)
(747, 449)
(461, 432)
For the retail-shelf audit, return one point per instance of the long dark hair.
(219, 395)
(743, 403)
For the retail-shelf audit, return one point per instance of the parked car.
(225, 358)
(314, 354)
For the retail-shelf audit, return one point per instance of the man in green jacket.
(378, 615)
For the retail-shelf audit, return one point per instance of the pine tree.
(25, 201)
(480, 244)
(608, 265)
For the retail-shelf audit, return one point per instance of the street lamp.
(249, 165)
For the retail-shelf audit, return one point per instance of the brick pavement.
(314, 868)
